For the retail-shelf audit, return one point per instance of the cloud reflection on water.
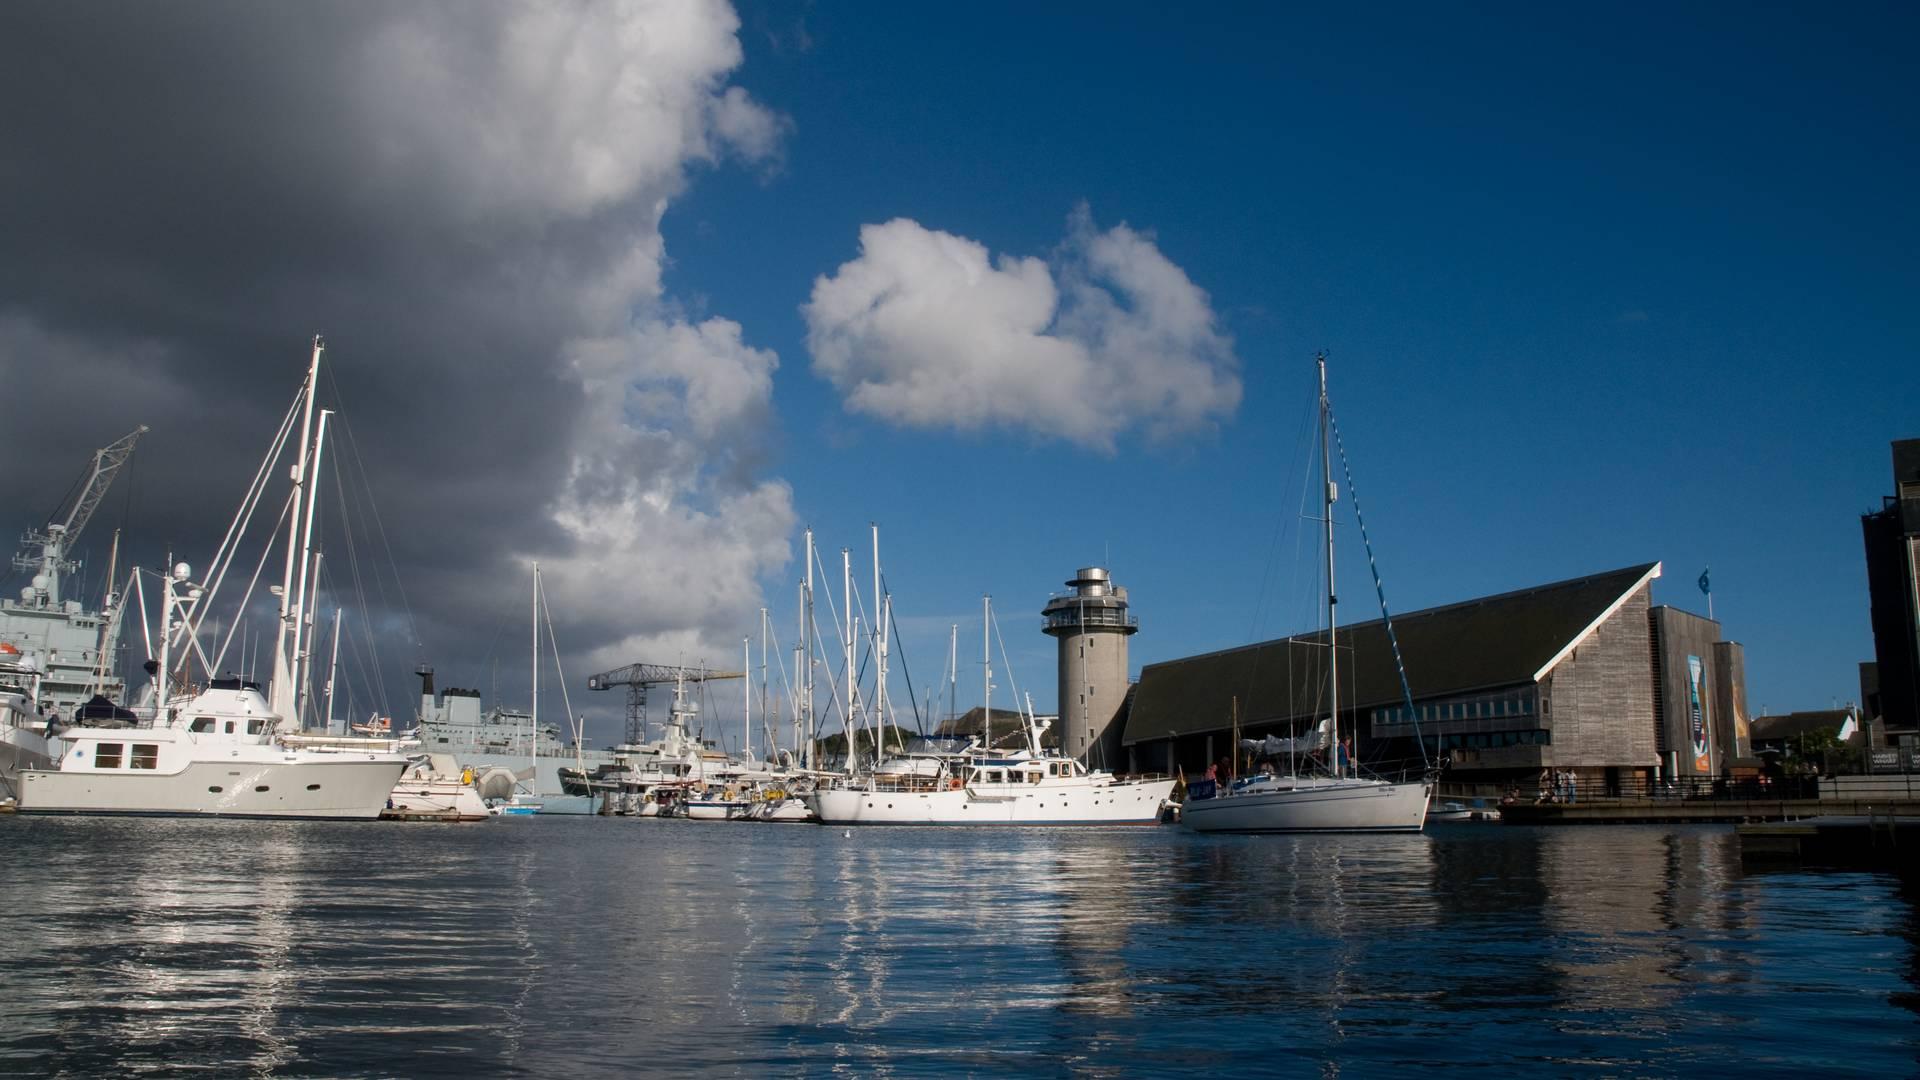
(597, 946)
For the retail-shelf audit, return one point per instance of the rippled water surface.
(583, 947)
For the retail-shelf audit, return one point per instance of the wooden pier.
(1651, 811)
(1880, 840)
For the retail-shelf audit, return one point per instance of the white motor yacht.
(222, 749)
(1015, 789)
(216, 753)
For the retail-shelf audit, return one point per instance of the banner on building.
(1697, 716)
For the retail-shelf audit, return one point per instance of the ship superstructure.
(453, 721)
(76, 647)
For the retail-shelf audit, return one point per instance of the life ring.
(956, 783)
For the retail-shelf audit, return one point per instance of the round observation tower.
(1092, 624)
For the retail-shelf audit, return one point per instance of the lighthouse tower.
(1092, 624)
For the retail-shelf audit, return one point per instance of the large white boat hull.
(1313, 805)
(340, 787)
(716, 810)
(445, 798)
(1121, 803)
(793, 809)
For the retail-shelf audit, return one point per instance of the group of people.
(1558, 786)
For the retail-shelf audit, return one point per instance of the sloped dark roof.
(1460, 648)
(1006, 723)
(1782, 725)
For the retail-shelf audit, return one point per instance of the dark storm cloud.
(455, 195)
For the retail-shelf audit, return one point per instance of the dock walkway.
(1879, 840)
(1651, 811)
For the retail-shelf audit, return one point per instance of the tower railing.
(1068, 618)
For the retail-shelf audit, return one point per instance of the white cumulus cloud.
(927, 329)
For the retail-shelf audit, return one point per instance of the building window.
(145, 756)
(106, 755)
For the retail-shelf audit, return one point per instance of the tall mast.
(1329, 494)
(282, 701)
(986, 669)
(846, 642)
(302, 656)
(333, 669)
(953, 669)
(807, 629)
(164, 674)
(533, 713)
(880, 651)
(766, 715)
(302, 617)
(746, 694)
(800, 703)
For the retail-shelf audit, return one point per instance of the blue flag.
(1703, 583)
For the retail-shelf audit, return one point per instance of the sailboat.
(1340, 800)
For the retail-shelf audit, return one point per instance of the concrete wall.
(1093, 684)
(1598, 700)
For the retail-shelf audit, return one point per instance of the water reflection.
(593, 947)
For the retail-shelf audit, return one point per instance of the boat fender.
(466, 776)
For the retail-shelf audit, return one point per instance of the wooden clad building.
(1560, 676)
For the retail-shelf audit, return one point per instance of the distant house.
(1771, 733)
(1008, 728)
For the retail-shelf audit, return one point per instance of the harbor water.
(578, 947)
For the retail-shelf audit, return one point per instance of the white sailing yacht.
(219, 749)
(1341, 800)
(982, 786)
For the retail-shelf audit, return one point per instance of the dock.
(426, 815)
(1879, 840)
(1662, 811)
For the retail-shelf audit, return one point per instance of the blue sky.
(637, 292)
(1597, 288)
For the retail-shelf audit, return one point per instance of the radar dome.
(40, 582)
(181, 571)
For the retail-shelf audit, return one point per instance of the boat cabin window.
(996, 777)
(1034, 777)
(229, 727)
(106, 755)
(255, 726)
(203, 724)
(145, 756)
